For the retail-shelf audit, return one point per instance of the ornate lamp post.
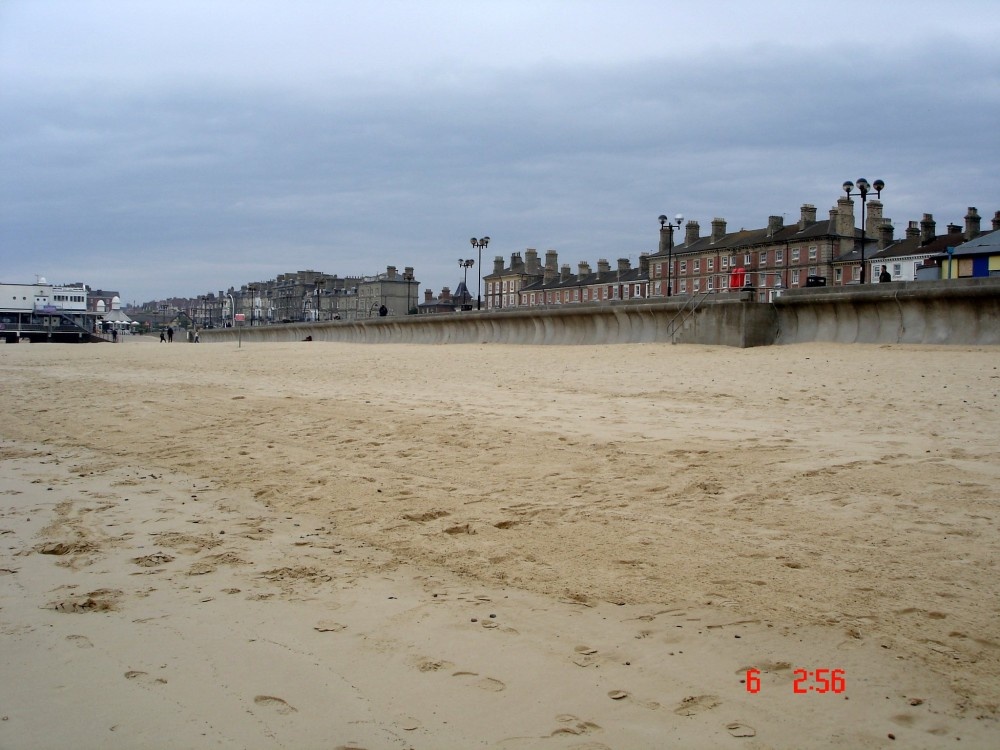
(466, 264)
(479, 245)
(667, 228)
(863, 189)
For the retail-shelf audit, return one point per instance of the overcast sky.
(163, 148)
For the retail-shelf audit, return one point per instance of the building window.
(697, 266)
(725, 261)
(838, 275)
(897, 270)
(779, 256)
(762, 280)
(812, 253)
(795, 255)
(857, 273)
(684, 266)
(710, 264)
(657, 290)
(696, 286)
(795, 278)
(747, 259)
(711, 285)
(682, 286)
(762, 259)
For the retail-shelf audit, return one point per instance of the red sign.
(240, 317)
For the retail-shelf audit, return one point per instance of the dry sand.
(345, 546)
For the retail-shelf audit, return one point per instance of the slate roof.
(984, 244)
(911, 246)
(745, 238)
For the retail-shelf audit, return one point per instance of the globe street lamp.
(863, 188)
(466, 265)
(479, 245)
(666, 228)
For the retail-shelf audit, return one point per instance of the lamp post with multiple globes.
(863, 189)
(466, 264)
(667, 228)
(479, 244)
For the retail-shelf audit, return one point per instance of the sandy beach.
(318, 545)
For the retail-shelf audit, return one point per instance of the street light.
(479, 245)
(667, 228)
(863, 188)
(466, 265)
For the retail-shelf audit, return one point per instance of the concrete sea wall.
(965, 311)
(933, 312)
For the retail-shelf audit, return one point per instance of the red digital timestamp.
(806, 681)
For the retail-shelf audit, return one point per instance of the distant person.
(163, 337)
(383, 311)
(197, 338)
(114, 335)
(884, 276)
(170, 335)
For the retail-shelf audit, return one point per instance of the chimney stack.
(912, 230)
(583, 269)
(691, 232)
(564, 272)
(624, 266)
(551, 267)
(445, 294)
(885, 234)
(807, 215)
(996, 220)
(644, 265)
(531, 264)
(428, 296)
(603, 266)
(774, 225)
(972, 223)
(390, 271)
(845, 217)
(498, 264)
(874, 217)
(927, 229)
(718, 229)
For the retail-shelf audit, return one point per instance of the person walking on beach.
(163, 338)
(170, 335)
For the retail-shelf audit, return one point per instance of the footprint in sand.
(277, 704)
(739, 729)
(574, 726)
(328, 626)
(483, 683)
(620, 695)
(696, 704)
(144, 678)
(80, 641)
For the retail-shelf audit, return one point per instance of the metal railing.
(691, 304)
